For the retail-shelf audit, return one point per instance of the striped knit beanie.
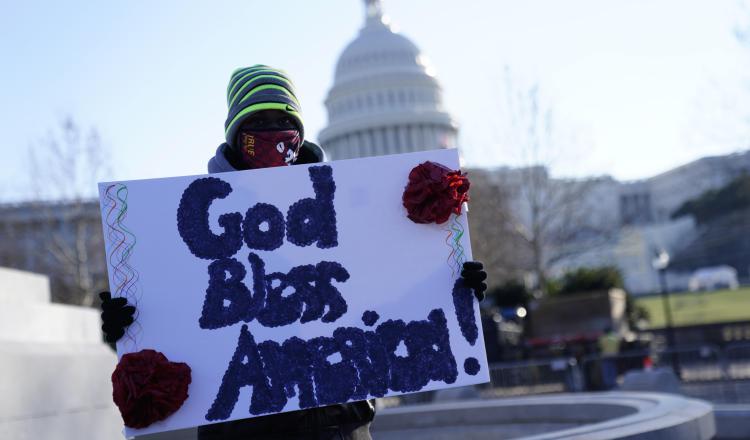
(256, 88)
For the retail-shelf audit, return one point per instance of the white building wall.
(55, 379)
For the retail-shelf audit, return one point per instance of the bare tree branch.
(65, 168)
(548, 215)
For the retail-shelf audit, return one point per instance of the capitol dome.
(385, 98)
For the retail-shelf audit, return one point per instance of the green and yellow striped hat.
(256, 88)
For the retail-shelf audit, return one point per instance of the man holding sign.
(264, 129)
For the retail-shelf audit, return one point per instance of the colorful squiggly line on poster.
(121, 244)
(457, 256)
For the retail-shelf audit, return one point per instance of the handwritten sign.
(294, 287)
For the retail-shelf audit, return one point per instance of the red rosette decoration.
(147, 387)
(434, 192)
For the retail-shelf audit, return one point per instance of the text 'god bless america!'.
(368, 365)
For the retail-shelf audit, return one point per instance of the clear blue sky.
(643, 84)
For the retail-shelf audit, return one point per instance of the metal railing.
(706, 372)
(534, 377)
(737, 359)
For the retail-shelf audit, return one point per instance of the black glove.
(116, 316)
(474, 276)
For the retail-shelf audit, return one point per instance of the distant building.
(635, 205)
(385, 98)
(60, 239)
(644, 216)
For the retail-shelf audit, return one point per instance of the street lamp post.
(660, 264)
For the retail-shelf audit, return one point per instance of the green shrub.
(594, 279)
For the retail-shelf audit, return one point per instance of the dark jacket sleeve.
(310, 153)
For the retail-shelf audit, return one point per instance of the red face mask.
(265, 149)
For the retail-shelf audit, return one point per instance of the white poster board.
(367, 309)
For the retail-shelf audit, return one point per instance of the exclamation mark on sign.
(463, 302)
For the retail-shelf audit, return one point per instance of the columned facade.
(385, 98)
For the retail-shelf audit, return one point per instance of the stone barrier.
(593, 416)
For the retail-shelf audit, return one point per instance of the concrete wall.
(732, 422)
(54, 368)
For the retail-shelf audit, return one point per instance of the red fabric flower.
(434, 192)
(147, 387)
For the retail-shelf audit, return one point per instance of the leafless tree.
(65, 168)
(721, 117)
(742, 28)
(551, 216)
(493, 240)
(742, 33)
